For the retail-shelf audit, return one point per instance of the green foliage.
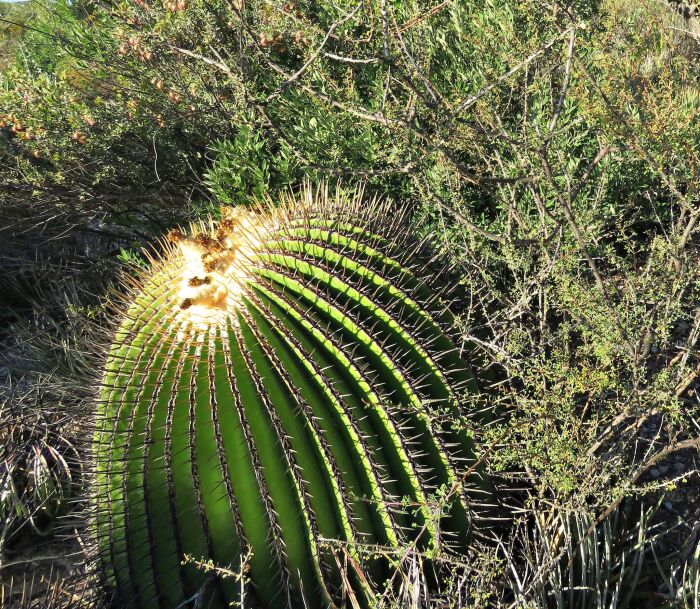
(244, 170)
(132, 259)
(13, 15)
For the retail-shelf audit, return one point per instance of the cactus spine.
(281, 388)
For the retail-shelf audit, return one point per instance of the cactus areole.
(280, 400)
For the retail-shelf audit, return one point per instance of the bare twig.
(418, 19)
(564, 87)
(334, 26)
(470, 101)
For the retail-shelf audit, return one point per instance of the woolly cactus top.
(213, 263)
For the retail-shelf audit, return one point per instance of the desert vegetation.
(534, 165)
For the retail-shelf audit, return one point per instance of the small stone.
(668, 505)
(663, 468)
(655, 473)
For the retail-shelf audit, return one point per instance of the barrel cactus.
(283, 390)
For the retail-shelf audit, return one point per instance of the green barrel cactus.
(282, 394)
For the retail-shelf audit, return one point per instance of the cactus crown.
(283, 389)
